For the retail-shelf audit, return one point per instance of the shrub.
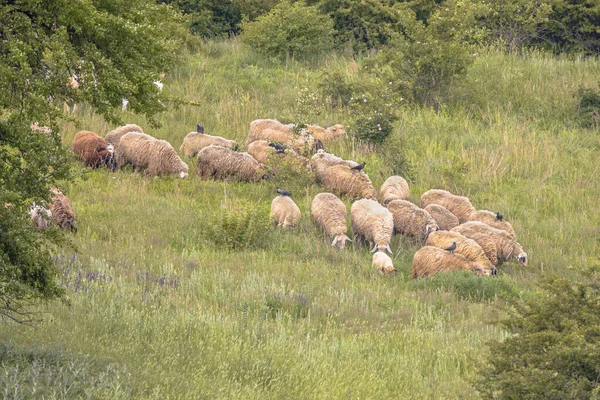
(289, 173)
(589, 106)
(335, 88)
(290, 29)
(371, 113)
(553, 351)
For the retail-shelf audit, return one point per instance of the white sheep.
(322, 160)
(41, 216)
(222, 163)
(284, 212)
(343, 180)
(411, 220)
(195, 141)
(394, 188)
(156, 157)
(383, 262)
(458, 205)
(330, 213)
(373, 223)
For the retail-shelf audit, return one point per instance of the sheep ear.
(387, 247)
(374, 249)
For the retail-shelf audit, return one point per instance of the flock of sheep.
(454, 234)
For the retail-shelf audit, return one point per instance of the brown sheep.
(284, 212)
(457, 205)
(194, 142)
(394, 188)
(411, 220)
(114, 137)
(156, 157)
(343, 180)
(444, 218)
(326, 134)
(430, 260)
(330, 213)
(464, 246)
(216, 162)
(373, 223)
(62, 213)
(488, 217)
(93, 150)
(498, 245)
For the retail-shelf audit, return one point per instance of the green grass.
(163, 307)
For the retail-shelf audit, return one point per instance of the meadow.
(180, 288)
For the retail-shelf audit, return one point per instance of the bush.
(371, 113)
(553, 351)
(589, 106)
(289, 173)
(290, 30)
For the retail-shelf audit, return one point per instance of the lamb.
(40, 216)
(194, 141)
(343, 180)
(411, 220)
(330, 213)
(284, 212)
(464, 246)
(383, 262)
(488, 217)
(157, 157)
(114, 137)
(326, 134)
(61, 211)
(322, 160)
(444, 218)
(373, 223)
(222, 163)
(394, 188)
(457, 205)
(93, 150)
(498, 245)
(429, 260)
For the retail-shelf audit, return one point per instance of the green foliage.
(210, 18)
(589, 106)
(289, 172)
(336, 88)
(290, 30)
(573, 25)
(554, 348)
(238, 226)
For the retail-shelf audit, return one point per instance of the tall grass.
(176, 312)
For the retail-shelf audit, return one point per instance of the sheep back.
(92, 149)
(430, 260)
(194, 142)
(114, 137)
(156, 157)
(216, 162)
(284, 212)
(326, 134)
(411, 220)
(343, 180)
(394, 188)
(464, 246)
(330, 213)
(444, 218)
(372, 222)
(488, 217)
(383, 262)
(458, 205)
(270, 129)
(260, 150)
(322, 160)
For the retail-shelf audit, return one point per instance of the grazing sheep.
(260, 150)
(221, 163)
(411, 220)
(114, 137)
(372, 222)
(394, 188)
(322, 160)
(488, 217)
(93, 150)
(343, 180)
(457, 205)
(464, 246)
(156, 157)
(40, 216)
(194, 141)
(61, 211)
(498, 245)
(330, 213)
(326, 134)
(275, 131)
(284, 212)
(444, 218)
(383, 262)
(430, 260)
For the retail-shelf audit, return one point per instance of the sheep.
(40, 216)
(464, 246)
(260, 150)
(322, 160)
(222, 163)
(394, 188)
(156, 156)
(343, 180)
(457, 205)
(194, 141)
(330, 213)
(326, 134)
(411, 220)
(373, 223)
(488, 217)
(114, 137)
(383, 262)
(429, 260)
(444, 218)
(498, 245)
(93, 150)
(284, 212)
(61, 211)
(270, 129)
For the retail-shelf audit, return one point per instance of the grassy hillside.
(180, 289)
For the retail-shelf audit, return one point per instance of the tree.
(114, 49)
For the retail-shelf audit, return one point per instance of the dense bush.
(371, 112)
(553, 351)
(290, 29)
(209, 18)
